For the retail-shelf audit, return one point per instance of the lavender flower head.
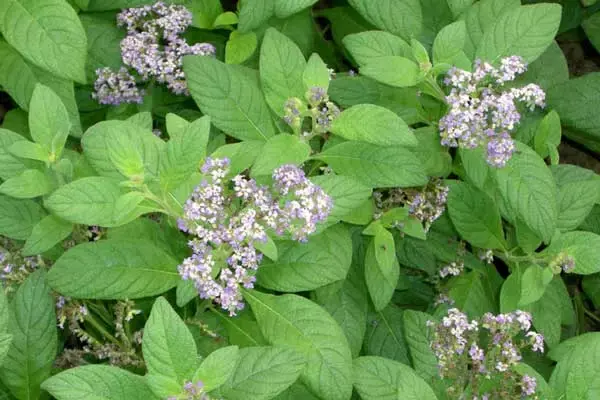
(464, 357)
(228, 218)
(482, 112)
(116, 87)
(154, 48)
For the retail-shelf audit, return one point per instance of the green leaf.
(93, 201)
(29, 184)
(384, 335)
(373, 124)
(29, 150)
(375, 166)
(381, 268)
(264, 372)
(18, 78)
(591, 287)
(281, 67)
(347, 194)
(525, 31)
(307, 266)
(242, 330)
(18, 217)
(3, 312)
(449, 45)
(169, 347)
(534, 281)
(578, 191)
(5, 341)
(510, 293)
(241, 155)
(475, 216)
(473, 294)
(584, 247)
(349, 91)
(347, 302)
(205, 12)
(103, 47)
(578, 363)
(392, 70)
(481, 17)
(551, 310)
(548, 134)
(10, 165)
(240, 47)
(48, 121)
(97, 141)
(417, 336)
(279, 150)
(402, 18)
(254, 13)
(33, 326)
(231, 96)
(183, 154)
(47, 233)
(368, 46)
(377, 378)
(528, 188)
(98, 382)
(434, 157)
(285, 8)
(125, 155)
(316, 73)
(111, 269)
(459, 6)
(47, 34)
(226, 18)
(218, 367)
(297, 322)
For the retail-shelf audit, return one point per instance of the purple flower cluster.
(456, 344)
(14, 267)
(484, 113)
(429, 204)
(227, 222)
(562, 262)
(116, 87)
(192, 391)
(320, 109)
(154, 48)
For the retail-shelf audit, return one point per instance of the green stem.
(591, 315)
(92, 321)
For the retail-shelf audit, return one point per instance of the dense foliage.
(293, 199)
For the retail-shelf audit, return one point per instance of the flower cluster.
(227, 222)
(123, 350)
(192, 391)
(562, 262)
(116, 87)
(318, 107)
(455, 268)
(484, 113)
(154, 48)
(471, 350)
(426, 204)
(14, 267)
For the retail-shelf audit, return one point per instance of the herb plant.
(297, 199)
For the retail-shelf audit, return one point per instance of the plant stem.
(89, 318)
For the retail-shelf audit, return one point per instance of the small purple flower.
(116, 87)
(481, 112)
(227, 222)
(528, 385)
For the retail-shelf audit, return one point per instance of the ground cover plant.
(299, 199)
